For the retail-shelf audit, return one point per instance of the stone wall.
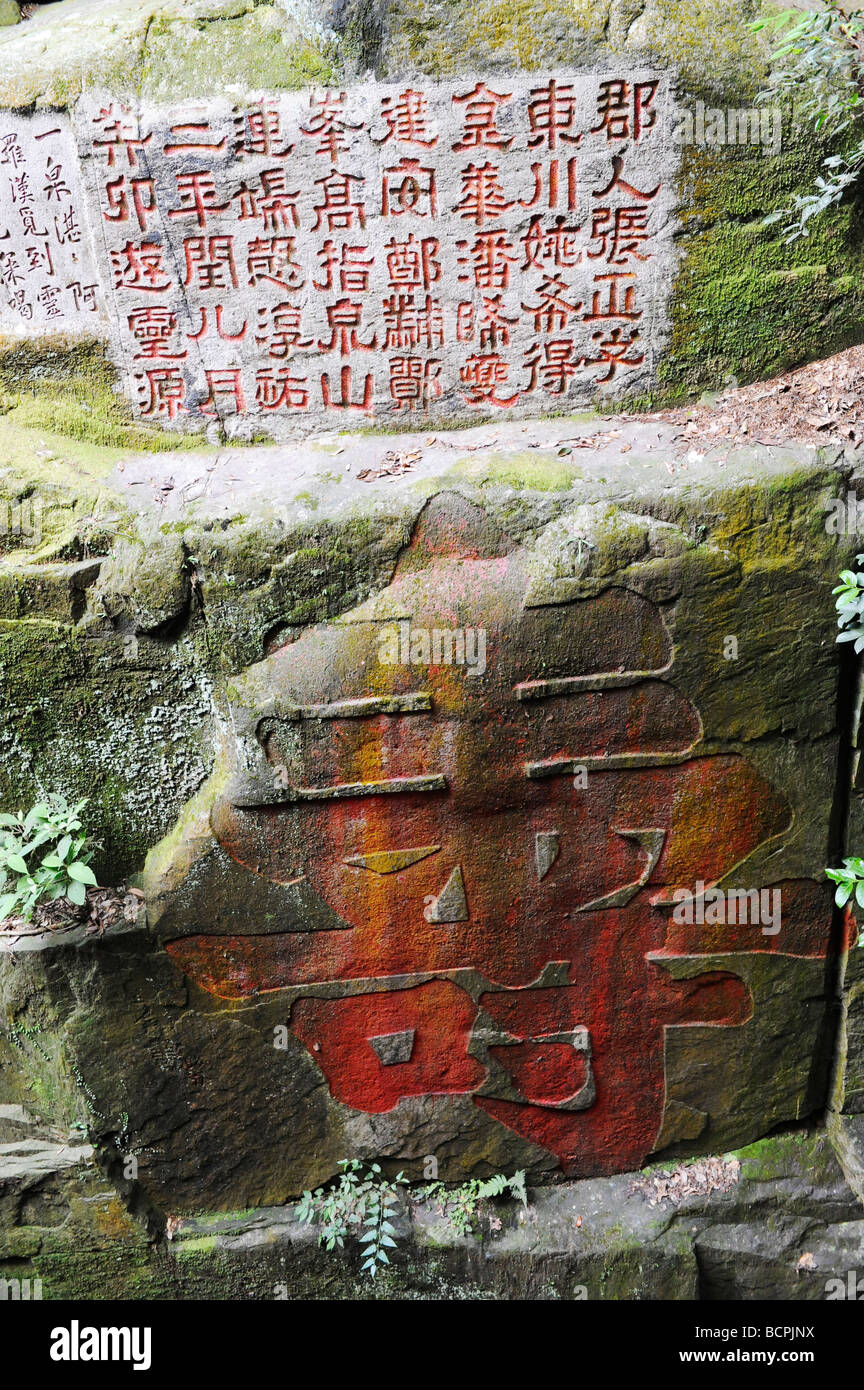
(422, 907)
(442, 758)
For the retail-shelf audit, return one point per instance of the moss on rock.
(162, 49)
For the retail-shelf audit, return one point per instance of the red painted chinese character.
(280, 331)
(28, 223)
(84, 296)
(554, 312)
(556, 364)
(20, 189)
(413, 264)
(414, 381)
(409, 188)
(118, 195)
(481, 377)
(329, 125)
(277, 389)
(190, 137)
(614, 309)
(48, 297)
(210, 262)
(18, 301)
(119, 129)
(483, 197)
(345, 402)
(11, 151)
(551, 114)
(617, 181)
(39, 258)
(338, 207)
(272, 258)
(225, 387)
(166, 392)
(221, 331)
(258, 130)
(277, 204)
(556, 245)
(552, 174)
(618, 234)
(55, 184)
(613, 352)
(10, 270)
(494, 324)
(153, 329)
(139, 266)
(197, 194)
(409, 325)
(465, 331)
(625, 110)
(344, 320)
(353, 268)
(407, 119)
(481, 110)
(491, 256)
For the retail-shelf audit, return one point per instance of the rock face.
(436, 249)
(561, 205)
(480, 781)
(786, 1227)
(513, 861)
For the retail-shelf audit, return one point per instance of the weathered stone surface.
(158, 49)
(439, 755)
(734, 270)
(444, 250)
(291, 926)
(788, 1228)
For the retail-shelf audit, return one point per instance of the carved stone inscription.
(387, 252)
(48, 280)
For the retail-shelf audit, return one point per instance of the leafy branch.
(462, 1205)
(363, 1205)
(850, 606)
(819, 61)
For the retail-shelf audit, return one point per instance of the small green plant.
(850, 606)
(818, 61)
(849, 880)
(462, 1205)
(362, 1204)
(44, 855)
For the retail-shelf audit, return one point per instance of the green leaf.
(17, 863)
(76, 893)
(82, 872)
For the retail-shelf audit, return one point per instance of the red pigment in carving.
(712, 812)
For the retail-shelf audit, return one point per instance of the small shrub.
(818, 61)
(363, 1205)
(850, 606)
(44, 855)
(463, 1205)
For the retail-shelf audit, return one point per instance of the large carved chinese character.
(493, 847)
